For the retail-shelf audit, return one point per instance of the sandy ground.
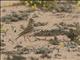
(51, 18)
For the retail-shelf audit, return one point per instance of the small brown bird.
(28, 29)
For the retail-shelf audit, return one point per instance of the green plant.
(48, 5)
(39, 4)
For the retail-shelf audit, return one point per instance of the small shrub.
(54, 42)
(45, 55)
(48, 5)
(25, 50)
(42, 50)
(15, 16)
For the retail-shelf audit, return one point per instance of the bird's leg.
(24, 38)
(11, 41)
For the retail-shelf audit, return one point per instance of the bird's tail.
(19, 35)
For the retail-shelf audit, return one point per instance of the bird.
(27, 30)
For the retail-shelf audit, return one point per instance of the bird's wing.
(26, 30)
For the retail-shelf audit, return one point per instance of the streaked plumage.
(28, 29)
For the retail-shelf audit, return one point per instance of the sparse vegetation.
(42, 50)
(14, 16)
(54, 42)
(45, 55)
(41, 43)
(59, 6)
